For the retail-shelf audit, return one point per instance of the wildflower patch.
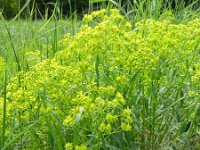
(112, 86)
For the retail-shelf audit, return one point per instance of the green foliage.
(1, 16)
(112, 86)
(10, 7)
(2, 67)
(45, 8)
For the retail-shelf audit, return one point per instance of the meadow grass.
(22, 36)
(115, 83)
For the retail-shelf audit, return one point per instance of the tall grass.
(4, 109)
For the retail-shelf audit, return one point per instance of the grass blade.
(4, 108)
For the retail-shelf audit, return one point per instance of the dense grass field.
(108, 81)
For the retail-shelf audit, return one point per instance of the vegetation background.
(41, 8)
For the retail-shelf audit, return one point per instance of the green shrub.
(111, 87)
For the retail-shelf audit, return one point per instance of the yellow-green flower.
(126, 112)
(68, 146)
(119, 98)
(108, 129)
(81, 147)
(111, 118)
(125, 126)
(102, 127)
(69, 121)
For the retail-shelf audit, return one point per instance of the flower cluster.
(107, 82)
